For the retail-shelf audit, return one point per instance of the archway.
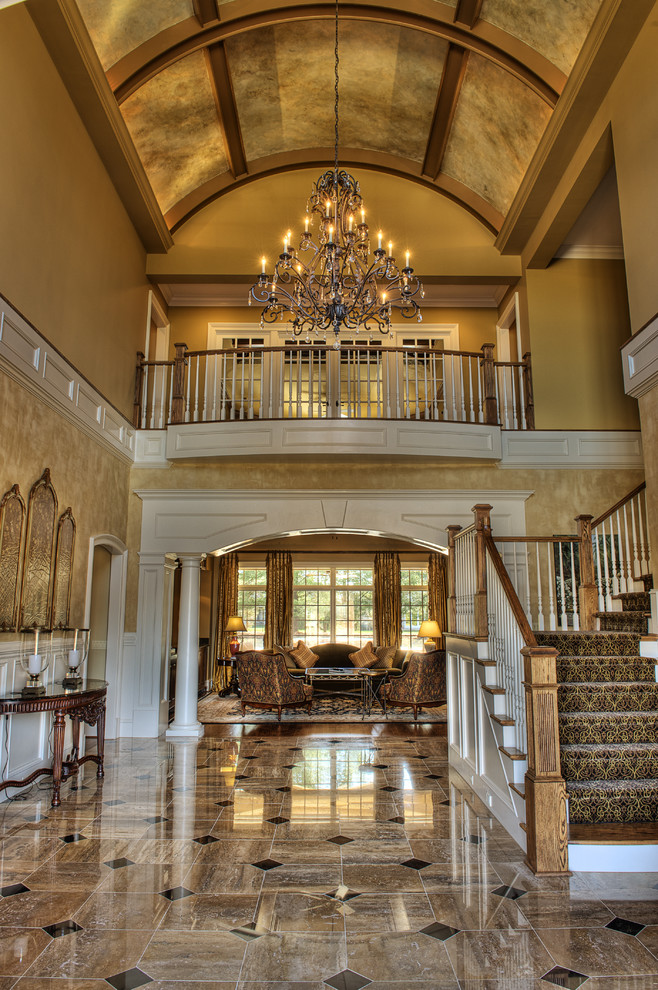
(114, 607)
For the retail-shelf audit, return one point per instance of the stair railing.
(525, 677)
(546, 574)
(621, 548)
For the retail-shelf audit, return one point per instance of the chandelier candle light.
(333, 281)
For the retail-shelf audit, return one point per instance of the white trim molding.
(640, 360)
(578, 449)
(27, 358)
(205, 521)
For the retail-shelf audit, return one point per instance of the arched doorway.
(105, 608)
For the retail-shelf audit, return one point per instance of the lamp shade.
(429, 629)
(234, 623)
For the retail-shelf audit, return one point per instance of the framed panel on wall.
(36, 587)
(12, 519)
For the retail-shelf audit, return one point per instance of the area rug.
(214, 709)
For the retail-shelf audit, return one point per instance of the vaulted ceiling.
(454, 95)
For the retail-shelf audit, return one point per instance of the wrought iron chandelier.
(335, 281)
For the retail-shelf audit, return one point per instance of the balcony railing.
(319, 382)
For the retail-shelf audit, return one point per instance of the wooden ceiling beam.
(467, 12)
(227, 111)
(206, 12)
(444, 112)
(165, 49)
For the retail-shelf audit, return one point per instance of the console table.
(84, 704)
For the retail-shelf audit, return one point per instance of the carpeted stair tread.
(592, 644)
(609, 761)
(635, 601)
(624, 621)
(599, 801)
(607, 696)
(608, 727)
(590, 669)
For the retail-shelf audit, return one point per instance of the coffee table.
(363, 677)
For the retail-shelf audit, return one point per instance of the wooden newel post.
(545, 790)
(139, 383)
(482, 515)
(178, 387)
(529, 394)
(587, 591)
(452, 579)
(489, 378)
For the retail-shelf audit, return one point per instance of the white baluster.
(613, 558)
(444, 387)
(552, 617)
(195, 413)
(647, 547)
(234, 370)
(461, 391)
(454, 396)
(378, 371)
(407, 385)
(213, 412)
(620, 561)
(643, 554)
(599, 575)
(471, 417)
(524, 424)
(606, 569)
(163, 394)
(628, 567)
(299, 384)
(170, 389)
(528, 597)
(514, 413)
(574, 592)
(480, 397)
(310, 403)
(188, 390)
(540, 610)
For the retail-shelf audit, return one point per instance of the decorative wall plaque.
(63, 570)
(12, 517)
(37, 567)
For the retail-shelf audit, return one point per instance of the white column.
(185, 718)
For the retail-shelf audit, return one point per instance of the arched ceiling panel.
(119, 26)
(556, 30)
(497, 125)
(173, 121)
(388, 82)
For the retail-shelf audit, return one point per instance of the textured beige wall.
(189, 325)
(86, 476)
(578, 320)
(70, 260)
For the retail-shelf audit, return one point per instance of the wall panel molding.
(29, 359)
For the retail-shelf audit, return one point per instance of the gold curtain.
(227, 605)
(438, 594)
(278, 604)
(386, 603)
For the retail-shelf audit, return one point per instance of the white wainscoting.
(474, 739)
(577, 449)
(640, 360)
(30, 359)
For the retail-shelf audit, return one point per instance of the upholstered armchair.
(422, 684)
(265, 683)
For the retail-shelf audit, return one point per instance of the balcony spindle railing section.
(319, 382)
(545, 573)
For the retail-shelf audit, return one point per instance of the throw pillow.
(385, 657)
(285, 650)
(364, 657)
(302, 656)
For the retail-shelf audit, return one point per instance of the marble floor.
(299, 858)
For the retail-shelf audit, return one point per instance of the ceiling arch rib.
(221, 184)
(174, 43)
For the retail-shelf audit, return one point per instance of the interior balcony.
(358, 399)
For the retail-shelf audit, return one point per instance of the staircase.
(608, 717)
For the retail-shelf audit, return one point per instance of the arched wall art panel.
(12, 519)
(63, 570)
(37, 585)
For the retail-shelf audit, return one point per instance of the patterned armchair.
(265, 683)
(422, 684)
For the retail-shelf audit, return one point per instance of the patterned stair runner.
(608, 712)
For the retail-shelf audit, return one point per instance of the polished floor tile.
(299, 858)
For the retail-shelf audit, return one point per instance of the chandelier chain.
(336, 64)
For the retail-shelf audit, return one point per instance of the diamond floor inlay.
(176, 870)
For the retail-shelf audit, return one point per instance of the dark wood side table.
(84, 704)
(232, 687)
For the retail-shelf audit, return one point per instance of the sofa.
(338, 655)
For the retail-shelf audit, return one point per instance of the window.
(415, 604)
(252, 590)
(332, 604)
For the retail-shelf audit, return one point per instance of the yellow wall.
(189, 325)
(70, 260)
(86, 476)
(578, 320)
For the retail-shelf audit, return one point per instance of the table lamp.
(235, 625)
(76, 659)
(431, 630)
(34, 664)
